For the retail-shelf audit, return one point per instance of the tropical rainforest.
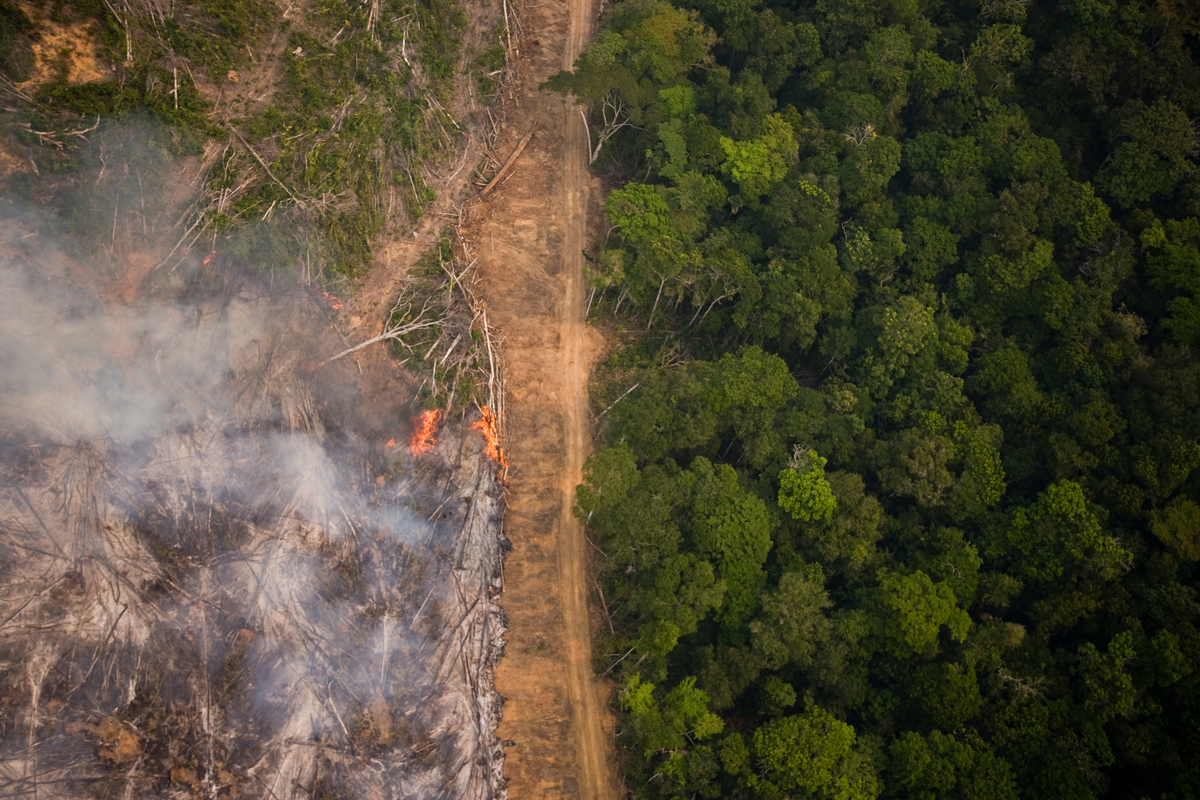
(896, 491)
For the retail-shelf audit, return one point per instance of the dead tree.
(614, 117)
(399, 325)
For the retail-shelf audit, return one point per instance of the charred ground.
(215, 578)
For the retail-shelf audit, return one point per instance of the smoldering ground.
(214, 579)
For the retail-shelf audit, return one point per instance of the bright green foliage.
(640, 212)
(751, 380)
(756, 165)
(939, 766)
(803, 490)
(906, 328)
(812, 755)
(665, 726)
(981, 484)
(731, 527)
(649, 47)
(1005, 274)
(679, 101)
(915, 610)
(1058, 533)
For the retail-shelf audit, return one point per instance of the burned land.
(216, 575)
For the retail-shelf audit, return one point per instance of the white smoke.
(208, 579)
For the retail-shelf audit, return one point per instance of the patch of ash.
(213, 576)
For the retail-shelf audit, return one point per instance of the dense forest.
(896, 488)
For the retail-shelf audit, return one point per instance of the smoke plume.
(214, 578)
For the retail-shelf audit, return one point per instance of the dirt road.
(529, 236)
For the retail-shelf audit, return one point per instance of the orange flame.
(334, 302)
(424, 436)
(390, 444)
(488, 427)
(209, 257)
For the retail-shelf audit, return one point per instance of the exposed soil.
(529, 237)
(70, 49)
(67, 50)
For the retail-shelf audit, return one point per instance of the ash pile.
(215, 579)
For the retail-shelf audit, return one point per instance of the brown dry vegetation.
(63, 51)
(527, 240)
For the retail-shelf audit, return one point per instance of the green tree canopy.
(812, 755)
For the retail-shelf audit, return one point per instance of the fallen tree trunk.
(508, 164)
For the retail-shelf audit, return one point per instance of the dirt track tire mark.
(530, 236)
(591, 741)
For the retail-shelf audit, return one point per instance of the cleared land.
(529, 237)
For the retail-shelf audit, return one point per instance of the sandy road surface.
(595, 781)
(529, 237)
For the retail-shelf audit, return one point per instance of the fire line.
(488, 427)
(424, 436)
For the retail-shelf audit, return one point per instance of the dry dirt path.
(529, 237)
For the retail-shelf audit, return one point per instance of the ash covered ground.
(215, 578)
